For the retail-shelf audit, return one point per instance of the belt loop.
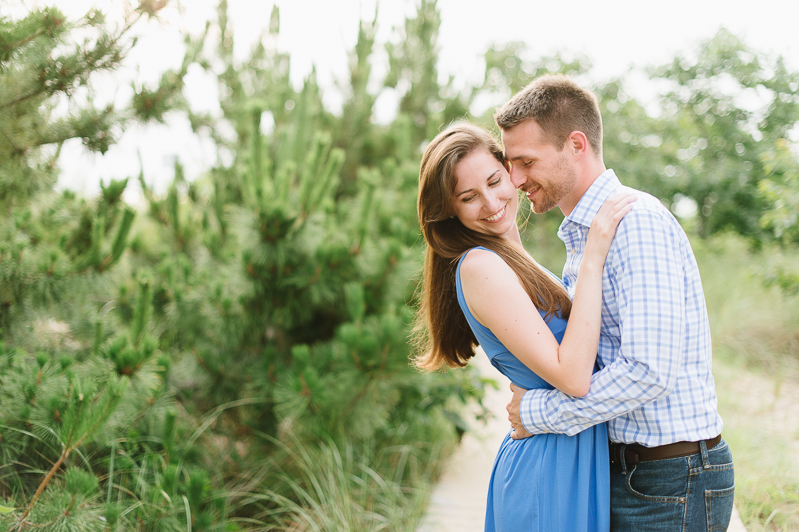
(621, 457)
(703, 454)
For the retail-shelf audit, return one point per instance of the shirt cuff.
(533, 412)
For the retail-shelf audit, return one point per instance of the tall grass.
(338, 488)
(755, 331)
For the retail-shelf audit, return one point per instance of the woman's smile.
(498, 215)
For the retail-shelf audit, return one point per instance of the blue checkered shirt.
(655, 384)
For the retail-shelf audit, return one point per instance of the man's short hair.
(560, 106)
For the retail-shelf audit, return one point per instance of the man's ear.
(577, 144)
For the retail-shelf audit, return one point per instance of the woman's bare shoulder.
(482, 263)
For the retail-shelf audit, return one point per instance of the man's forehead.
(514, 146)
(523, 140)
(517, 134)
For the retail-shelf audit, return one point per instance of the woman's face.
(485, 200)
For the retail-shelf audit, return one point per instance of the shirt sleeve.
(644, 272)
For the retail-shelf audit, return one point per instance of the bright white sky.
(614, 34)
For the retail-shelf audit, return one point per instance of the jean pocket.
(718, 508)
(662, 484)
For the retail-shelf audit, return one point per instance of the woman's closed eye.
(492, 184)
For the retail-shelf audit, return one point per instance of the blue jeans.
(685, 494)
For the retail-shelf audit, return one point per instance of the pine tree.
(156, 365)
(75, 374)
(310, 281)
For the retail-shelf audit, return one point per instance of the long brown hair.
(441, 334)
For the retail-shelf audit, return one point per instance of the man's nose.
(516, 177)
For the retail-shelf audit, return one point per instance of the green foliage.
(233, 355)
(42, 64)
(780, 189)
(80, 381)
(356, 132)
(413, 61)
(272, 293)
(724, 109)
(509, 68)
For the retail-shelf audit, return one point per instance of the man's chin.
(539, 208)
(539, 203)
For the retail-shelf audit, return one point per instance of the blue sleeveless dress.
(549, 482)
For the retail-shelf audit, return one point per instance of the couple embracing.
(614, 411)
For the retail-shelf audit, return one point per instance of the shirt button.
(571, 251)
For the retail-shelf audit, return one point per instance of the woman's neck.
(514, 238)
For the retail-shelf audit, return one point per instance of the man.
(670, 469)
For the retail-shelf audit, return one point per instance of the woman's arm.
(497, 300)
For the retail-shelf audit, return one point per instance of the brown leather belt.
(634, 453)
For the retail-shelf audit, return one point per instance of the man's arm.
(646, 276)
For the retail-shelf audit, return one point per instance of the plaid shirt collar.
(600, 190)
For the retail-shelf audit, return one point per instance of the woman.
(481, 287)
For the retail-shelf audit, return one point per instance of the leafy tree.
(780, 191)
(712, 138)
(509, 67)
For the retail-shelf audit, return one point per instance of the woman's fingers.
(617, 202)
(607, 219)
(613, 210)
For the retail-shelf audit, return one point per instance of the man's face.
(544, 173)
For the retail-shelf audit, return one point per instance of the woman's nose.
(491, 203)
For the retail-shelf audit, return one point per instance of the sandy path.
(458, 502)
